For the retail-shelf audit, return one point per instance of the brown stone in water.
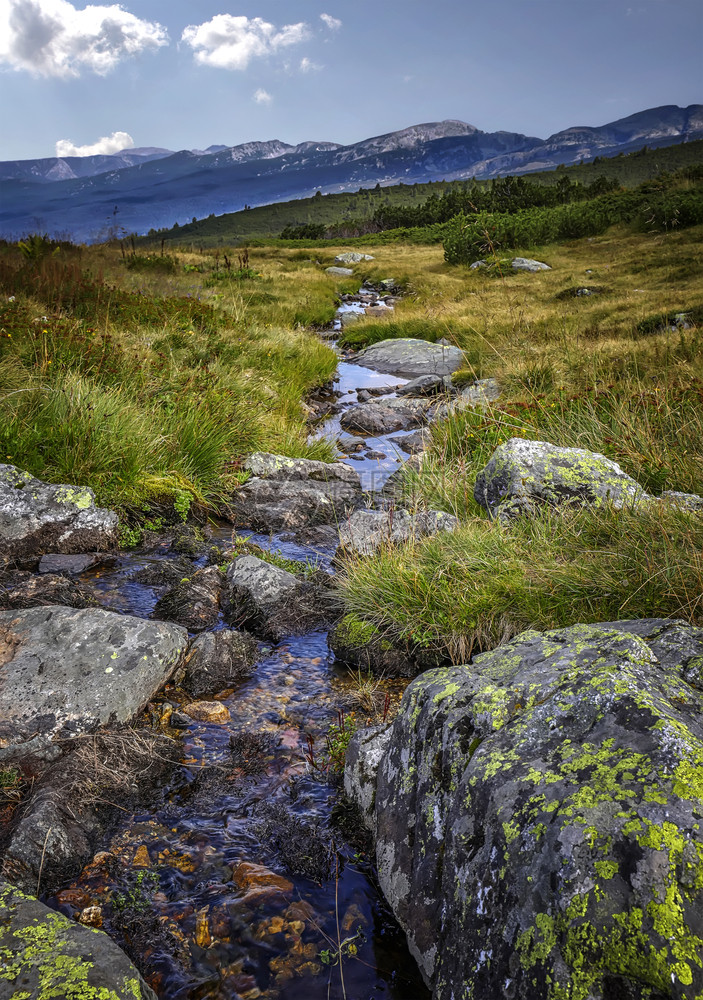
(250, 876)
(202, 928)
(73, 897)
(141, 858)
(300, 910)
(208, 711)
(91, 916)
(351, 917)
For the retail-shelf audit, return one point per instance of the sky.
(78, 79)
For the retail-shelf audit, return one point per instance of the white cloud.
(263, 97)
(104, 146)
(308, 66)
(54, 38)
(333, 23)
(229, 42)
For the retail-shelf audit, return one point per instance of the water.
(240, 880)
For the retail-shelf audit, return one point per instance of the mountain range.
(135, 190)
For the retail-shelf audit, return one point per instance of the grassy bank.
(610, 372)
(148, 377)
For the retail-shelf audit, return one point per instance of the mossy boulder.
(538, 816)
(359, 644)
(44, 954)
(524, 473)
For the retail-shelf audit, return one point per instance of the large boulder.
(293, 493)
(65, 671)
(538, 816)
(44, 954)
(524, 473)
(367, 530)
(410, 358)
(269, 600)
(37, 517)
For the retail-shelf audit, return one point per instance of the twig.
(41, 864)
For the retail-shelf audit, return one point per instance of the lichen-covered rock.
(44, 954)
(352, 257)
(366, 530)
(270, 601)
(287, 493)
(523, 473)
(340, 272)
(538, 816)
(408, 357)
(382, 418)
(65, 671)
(194, 602)
(360, 645)
(217, 660)
(689, 501)
(37, 517)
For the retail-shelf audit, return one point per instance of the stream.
(244, 878)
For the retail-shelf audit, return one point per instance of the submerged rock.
(552, 790)
(66, 671)
(522, 473)
(46, 954)
(367, 530)
(37, 517)
(408, 357)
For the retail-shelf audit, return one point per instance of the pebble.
(208, 711)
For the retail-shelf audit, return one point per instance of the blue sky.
(185, 75)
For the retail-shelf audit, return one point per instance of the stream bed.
(244, 878)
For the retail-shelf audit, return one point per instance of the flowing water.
(244, 877)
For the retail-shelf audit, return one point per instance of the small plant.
(337, 740)
(129, 537)
(347, 948)
(182, 504)
(138, 897)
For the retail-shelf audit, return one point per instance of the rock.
(414, 443)
(163, 573)
(352, 257)
(66, 671)
(378, 309)
(207, 711)
(527, 264)
(217, 660)
(689, 501)
(360, 645)
(375, 455)
(477, 265)
(25, 590)
(380, 418)
(349, 317)
(269, 600)
(552, 791)
(46, 954)
(72, 565)
(480, 395)
(193, 603)
(247, 875)
(295, 493)
(367, 530)
(37, 517)
(426, 385)
(522, 473)
(408, 357)
(340, 272)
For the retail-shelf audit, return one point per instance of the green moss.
(355, 632)
(81, 499)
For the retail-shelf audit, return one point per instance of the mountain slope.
(160, 188)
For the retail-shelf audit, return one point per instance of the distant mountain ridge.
(153, 187)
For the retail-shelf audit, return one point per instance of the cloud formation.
(308, 66)
(333, 23)
(52, 38)
(104, 146)
(229, 42)
(263, 97)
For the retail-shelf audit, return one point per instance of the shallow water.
(237, 881)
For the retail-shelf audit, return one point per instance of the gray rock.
(280, 468)
(37, 517)
(538, 813)
(477, 265)
(383, 417)
(367, 530)
(689, 501)
(408, 357)
(426, 385)
(527, 264)
(193, 603)
(352, 257)
(480, 395)
(269, 600)
(274, 505)
(71, 565)
(43, 950)
(65, 671)
(341, 272)
(349, 318)
(414, 443)
(522, 473)
(217, 660)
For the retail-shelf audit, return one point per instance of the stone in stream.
(367, 530)
(270, 601)
(287, 493)
(26, 590)
(72, 565)
(408, 357)
(414, 443)
(426, 385)
(480, 395)
(193, 603)
(524, 473)
(378, 418)
(66, 671)
(359, 644)
(217, 660)
(47, 955)
(552, 788)
(37, 517)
